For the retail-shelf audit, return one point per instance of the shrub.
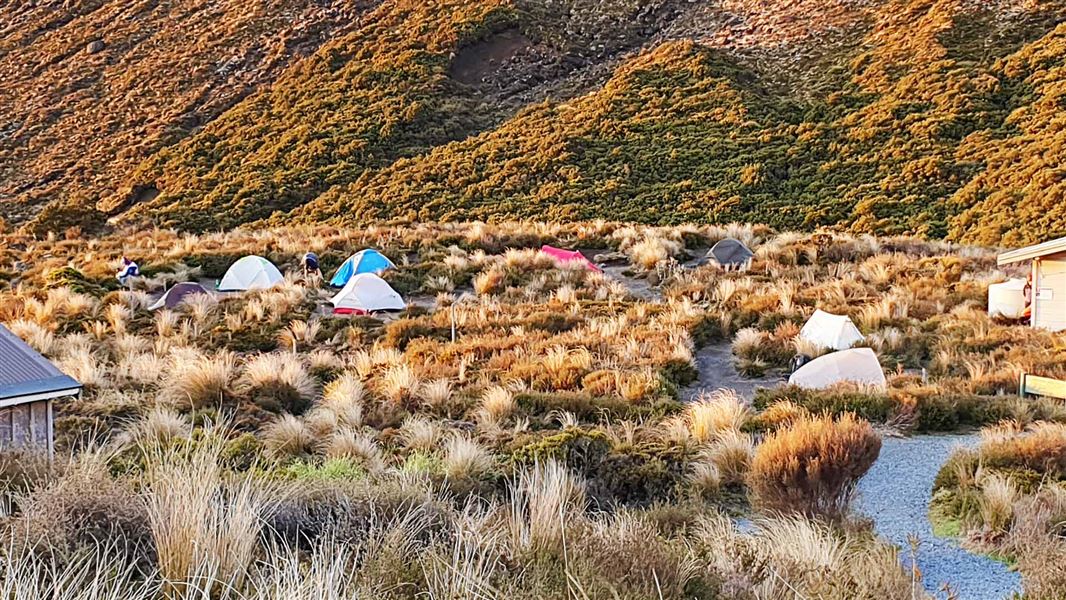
(331, 469)
(580, 450)
(637, 476)
(86, 507)
(872, 406)
(812, 467)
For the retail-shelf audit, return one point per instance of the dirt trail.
(639, 287)
(714, 363)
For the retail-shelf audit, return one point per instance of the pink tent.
(565, 256)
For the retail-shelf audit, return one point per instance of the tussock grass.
(288, 436)
(464, 458)
(204, 524)
(544, 501)
(199, 380)
(711, 415)
(812, 466)
(282, 378)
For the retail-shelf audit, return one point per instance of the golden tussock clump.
(812, 465)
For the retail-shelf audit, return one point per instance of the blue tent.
(364, 261)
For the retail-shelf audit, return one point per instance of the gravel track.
(714, 363)
(895, 493)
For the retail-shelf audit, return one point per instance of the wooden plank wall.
(26, 425)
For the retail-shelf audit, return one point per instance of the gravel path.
(714, 363)
(637, 286)
(895, 493)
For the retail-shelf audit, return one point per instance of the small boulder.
(94, 47)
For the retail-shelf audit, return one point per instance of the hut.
(28, 385)
(1047, 295)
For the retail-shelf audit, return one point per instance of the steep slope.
(685, 133)
(672, 137)
(93, 87)
(364, 99)
(936, 117)
(1020, 196)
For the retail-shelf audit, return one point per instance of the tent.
(827, 330)
(364, 261)
(566, 257)
(250, 273)
(858, 365)
(1007, 299)
(366, 293)
(175, 295)
(731, 253)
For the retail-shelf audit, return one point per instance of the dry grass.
(711, 415)
(497, 405)
(288, 436)
(996, 502)
(544, 501)
(359, 447)
(436, 393)
(400, 383)
(732, 453)
(200, 381)
(812, 466)
(705, 476)
(589, 359)
(278, 374)
(204, 524)
(464, 458)
(160, 426)
(419, 433)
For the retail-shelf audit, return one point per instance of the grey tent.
(176, 294)
(28, 384)
(731, 254)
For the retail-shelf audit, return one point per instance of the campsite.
(532, 402)
(533, 300)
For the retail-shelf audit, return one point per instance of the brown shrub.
(813, 466)
(1042, 448)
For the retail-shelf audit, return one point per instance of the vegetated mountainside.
(93, 87)
(935, 117)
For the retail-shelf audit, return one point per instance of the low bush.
(813, 466)
(876, 407)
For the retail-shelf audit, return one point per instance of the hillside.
(889, 116)
(92, 88)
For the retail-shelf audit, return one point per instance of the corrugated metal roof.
(1031, 252)
(24, 372)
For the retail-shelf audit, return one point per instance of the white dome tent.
(250, 273)
(858, 365)
(366, 293)
(1007, 299)
(827, 330)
